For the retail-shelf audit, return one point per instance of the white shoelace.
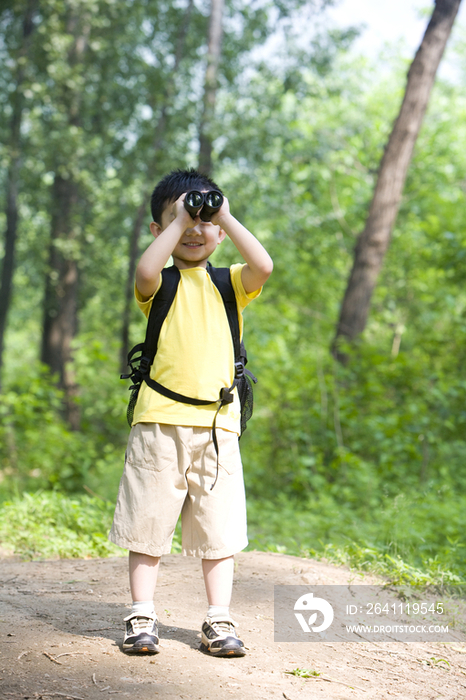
(224, 628)
(142, 624)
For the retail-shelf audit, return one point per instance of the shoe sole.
(223, 651)
(142, 649)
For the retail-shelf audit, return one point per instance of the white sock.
(218, 611)
(145, 608)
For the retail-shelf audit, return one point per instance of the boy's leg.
(218, 579)
(143, 571)
(151, 495)
(214, 528)
(141, 624)
(219, 636)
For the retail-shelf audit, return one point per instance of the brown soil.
(61, 627)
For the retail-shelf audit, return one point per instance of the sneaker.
(141, 635)
(219, 637)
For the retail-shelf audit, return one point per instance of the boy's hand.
(184, 218)
(222, 212)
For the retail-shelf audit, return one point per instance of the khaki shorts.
(170, 470)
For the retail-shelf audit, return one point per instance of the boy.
(171, 463)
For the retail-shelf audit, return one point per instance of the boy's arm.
(259, 264)
(154, 259)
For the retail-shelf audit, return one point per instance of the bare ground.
(61, 630)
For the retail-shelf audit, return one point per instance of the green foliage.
(303, 673)
(37, 448)
(49, 525)
(414, 539)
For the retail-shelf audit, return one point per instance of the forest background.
(363, 462)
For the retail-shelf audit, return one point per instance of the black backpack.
(141, 357)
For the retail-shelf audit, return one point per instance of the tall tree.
(61, 290)
(374, 240)
(214, 50)
(13, 172)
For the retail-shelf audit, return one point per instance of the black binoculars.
(205, 202)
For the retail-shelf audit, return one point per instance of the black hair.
(173, 185)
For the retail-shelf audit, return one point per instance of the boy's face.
(196, 244)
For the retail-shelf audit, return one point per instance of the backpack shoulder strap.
(160, 307)
(221, 277)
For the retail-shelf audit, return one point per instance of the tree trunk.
(12, 182)
(210, 87)
(61, 292)
(375, 239)
(159, 135)
(61, 288)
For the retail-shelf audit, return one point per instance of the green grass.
(49, 524)
(414, 540)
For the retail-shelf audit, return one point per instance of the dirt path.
(61, 626)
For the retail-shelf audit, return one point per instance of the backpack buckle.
(239, 370)
(226, 396)
(144, 365)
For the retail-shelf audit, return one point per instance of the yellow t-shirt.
(194, 354)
